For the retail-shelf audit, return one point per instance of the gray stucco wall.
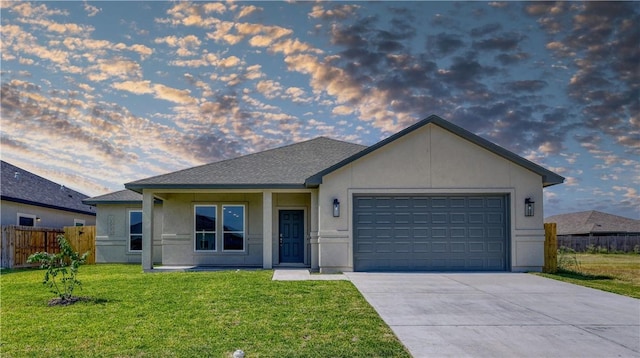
(178, 230)
(48, 217)
(112, 234)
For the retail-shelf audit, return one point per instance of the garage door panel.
(458, 247)
(439, 232)
(443, 233)
(439, 218)
(458, 218)
(458, 232)
(439, 246)
(477, 247)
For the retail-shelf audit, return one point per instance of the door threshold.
(292, 265)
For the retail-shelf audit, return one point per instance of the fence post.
(550, 248)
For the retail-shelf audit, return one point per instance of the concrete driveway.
(501, 315)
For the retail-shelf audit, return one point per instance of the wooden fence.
(18, 242)
(621, 243)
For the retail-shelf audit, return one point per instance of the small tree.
(62, 269)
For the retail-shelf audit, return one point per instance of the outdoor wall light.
(38, 219)
(336, 208)
(529, 208)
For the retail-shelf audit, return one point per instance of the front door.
(291, 236)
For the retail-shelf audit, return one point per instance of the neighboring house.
(433, 197)
(31, 200)
(594, 223)
(119, 227)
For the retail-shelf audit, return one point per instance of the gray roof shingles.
(287, 166)
(593, 222)
(117, 197)
(19, 185)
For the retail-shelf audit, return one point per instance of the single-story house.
(31, 200)
(432, 197)
(595, 230)
(594, 223)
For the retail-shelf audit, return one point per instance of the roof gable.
(21, 186)
(116, 197)
(548, 177)
(283, 167)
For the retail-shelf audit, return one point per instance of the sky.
(98, 94)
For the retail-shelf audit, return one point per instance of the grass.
(189, 314)
(617, 273)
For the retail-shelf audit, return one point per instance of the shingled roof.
(284, 167)
(118, 197)
(593, 222)
(304, 164)
(21, 186)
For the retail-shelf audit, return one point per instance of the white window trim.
(244, 227)
(215, 231)
(19, 215)
(79, 221)
(129, 229)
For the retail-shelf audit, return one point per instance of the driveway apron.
(501, 315)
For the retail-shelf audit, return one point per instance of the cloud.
(137, 87)
(120, 68)
(525, 85)
(173, 94)
(337, 12)
(485, 29)
(445, 44)
(246, 11)
(505, 42)
(270, 89)
(91, 10)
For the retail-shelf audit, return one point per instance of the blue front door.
(292, 236)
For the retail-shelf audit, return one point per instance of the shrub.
(568, 260)
(62, 269)
(636, 249)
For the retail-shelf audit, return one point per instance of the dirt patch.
(67, 301)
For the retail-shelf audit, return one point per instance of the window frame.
(30, 216)
(196, 232)
(244, 227)
(129, 234)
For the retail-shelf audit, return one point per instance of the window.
(233, 227)
(78, 222)
(205, 227)
(135, 230)
(26, 220)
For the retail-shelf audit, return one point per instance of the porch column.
(313, 228)
(267, 229)
(147, 230)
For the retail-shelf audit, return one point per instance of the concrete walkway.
(501, 315)
(303, 275)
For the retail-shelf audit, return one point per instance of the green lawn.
(618, 273)
(190, 314)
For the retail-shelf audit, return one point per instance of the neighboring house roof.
(304, 164)
(548, 177)
(119, 197)
(593, 222)
(21, 186)
(284, 167)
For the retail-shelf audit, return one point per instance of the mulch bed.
(67, 301)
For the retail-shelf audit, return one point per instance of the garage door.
(430, 233)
